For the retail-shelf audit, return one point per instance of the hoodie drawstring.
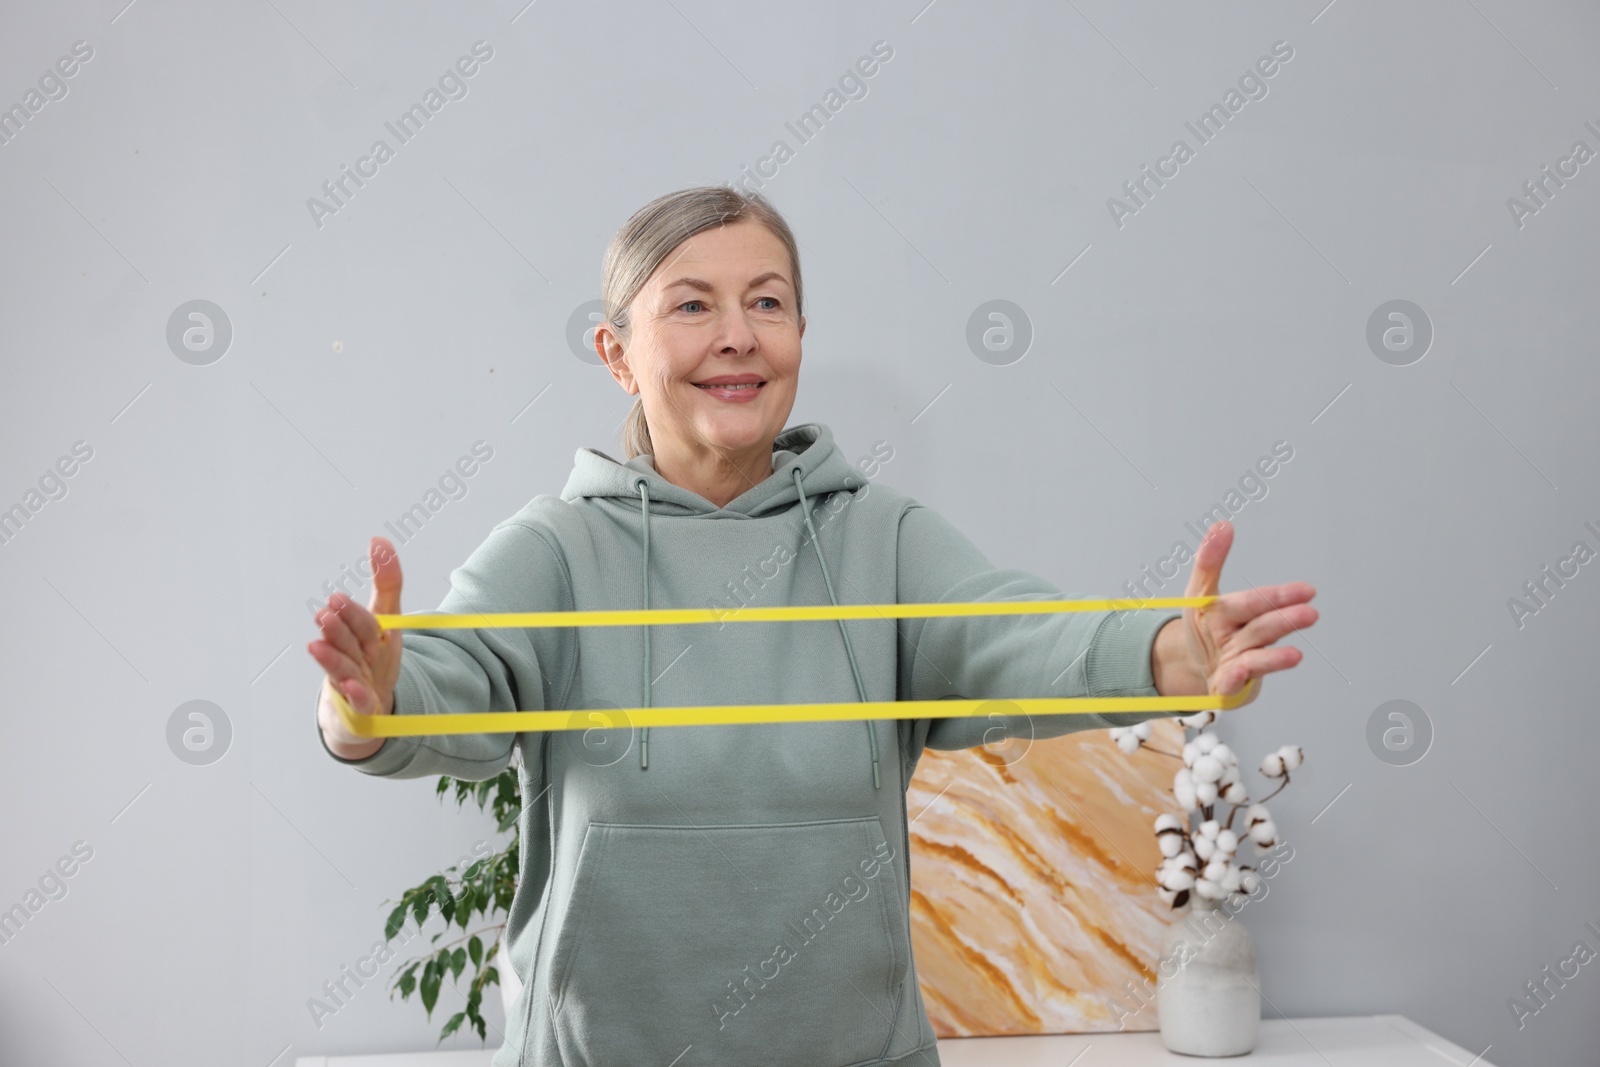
(849, 650)
(644, 510)
(816, 543)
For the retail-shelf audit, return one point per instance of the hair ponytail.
(636, 432)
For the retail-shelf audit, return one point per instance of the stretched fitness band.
(494, 722)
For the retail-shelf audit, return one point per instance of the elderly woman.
(736, 894)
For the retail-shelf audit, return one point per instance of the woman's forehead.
(739, 252)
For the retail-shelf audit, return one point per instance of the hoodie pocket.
(777, 943)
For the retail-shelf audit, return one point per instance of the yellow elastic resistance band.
(730, 714)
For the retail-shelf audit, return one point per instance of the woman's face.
(719, 309)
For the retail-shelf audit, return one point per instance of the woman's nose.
(737, 333)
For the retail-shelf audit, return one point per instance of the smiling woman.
(646, 882)
(710, 342)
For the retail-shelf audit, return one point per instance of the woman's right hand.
(360, 657)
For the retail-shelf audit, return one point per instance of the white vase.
(1211, 1006)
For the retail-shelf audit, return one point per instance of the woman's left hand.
(1228, 639)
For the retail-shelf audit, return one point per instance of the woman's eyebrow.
(705, 286)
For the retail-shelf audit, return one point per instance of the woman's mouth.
(736, 394)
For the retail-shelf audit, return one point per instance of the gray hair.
(642, 242)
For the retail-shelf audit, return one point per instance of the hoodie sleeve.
(1072, 654)
(448, 670)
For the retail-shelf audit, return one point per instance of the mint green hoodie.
(735, 894)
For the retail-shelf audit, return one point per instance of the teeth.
(747, 385)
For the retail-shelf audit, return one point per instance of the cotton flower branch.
(1199, 855)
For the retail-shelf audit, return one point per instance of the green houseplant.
(483, 888)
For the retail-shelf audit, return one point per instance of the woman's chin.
(739, 433)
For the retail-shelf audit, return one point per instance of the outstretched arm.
(1006, 657)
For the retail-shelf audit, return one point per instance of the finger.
(1207, 569)
(1257, 663)
(385, 577)
(1271, 625)
(1242, 605)
(339, 667)
(355, 696)
(359, 696)
(336, 633)
(361, 623)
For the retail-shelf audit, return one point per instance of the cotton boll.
(1264, 834)
(1167, 821)
(1210, 828)
(1231, 879)
(1183, 789)
(1216, 870)
(1249, 880)
(1292, 756)
(1191, 752)
(1185, 861)
(1230, 774)
(1205, 887)
(1206, 792)
(1128, 743)
(1175, 878)
(1257, 813)
(1235, 792)
(1223, 753)
(1208, 769)
(1167, 896)
(1228, 841)
(1272, 765)
(1204, 848)
(1199, 720)
(1206, 742)
(1141, 730)
(1170, 841)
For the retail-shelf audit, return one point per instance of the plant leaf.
(397, 919)
(453, 1025)
(458, 961)
(439, 890)
(475, 950)
(431, 977)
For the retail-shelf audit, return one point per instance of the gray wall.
(372, 347)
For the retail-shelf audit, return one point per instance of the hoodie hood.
(808, 447)
(806, 465)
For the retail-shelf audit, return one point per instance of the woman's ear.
(614, 356)
(802, 325)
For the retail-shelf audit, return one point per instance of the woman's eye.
(773, 299)
(686, 303)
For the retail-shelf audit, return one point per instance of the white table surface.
(1347, 1041)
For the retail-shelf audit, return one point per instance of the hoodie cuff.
(1118, 661)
